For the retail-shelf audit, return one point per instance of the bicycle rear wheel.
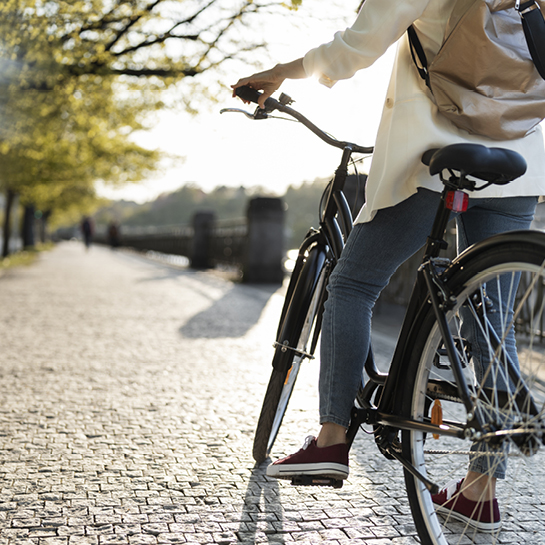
(296, 342)
(521, 495)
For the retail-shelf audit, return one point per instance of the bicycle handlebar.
(251, 95)
(271, 104)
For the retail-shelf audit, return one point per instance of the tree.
(69, 137)
(162, 39)
(67, 66)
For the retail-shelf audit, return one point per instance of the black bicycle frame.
(430, 293)
(336, 220)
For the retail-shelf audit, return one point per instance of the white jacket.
(411, 123)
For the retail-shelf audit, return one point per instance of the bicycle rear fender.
(423, 309)
(521, 238)
(296, 312)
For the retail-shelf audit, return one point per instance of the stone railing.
(254, 244)
(174, 239)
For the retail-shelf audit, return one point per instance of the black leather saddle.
(494, 165)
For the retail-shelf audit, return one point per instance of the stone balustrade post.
(265, 244)
(200, 248)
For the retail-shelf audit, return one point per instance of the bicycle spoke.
(498, 330)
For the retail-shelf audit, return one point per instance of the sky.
(230, 149)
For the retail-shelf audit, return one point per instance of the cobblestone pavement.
(129, 391)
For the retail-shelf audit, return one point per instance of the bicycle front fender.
(297, 308)
(311, 239)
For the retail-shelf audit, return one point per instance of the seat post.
(436, 241)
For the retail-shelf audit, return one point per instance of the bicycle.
(300, 320)
(500, 417)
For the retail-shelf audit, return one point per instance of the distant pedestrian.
(87, 231)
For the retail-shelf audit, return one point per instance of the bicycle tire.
(446, 458)
(300, 326)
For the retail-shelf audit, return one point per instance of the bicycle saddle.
(495, 165)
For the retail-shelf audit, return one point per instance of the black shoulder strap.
(534, 31)
(418, 51)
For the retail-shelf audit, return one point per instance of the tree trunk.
(10, 198)
(44, 234)
(28, 230)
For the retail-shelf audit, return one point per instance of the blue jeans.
(373, 252)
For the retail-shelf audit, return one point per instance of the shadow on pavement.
(231, 316)
(262, 513)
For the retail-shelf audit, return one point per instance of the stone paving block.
(171, 538)
(71, 530)
(142, 539)
(129, 393)
(405, 540)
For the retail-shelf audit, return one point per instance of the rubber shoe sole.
(326, 469)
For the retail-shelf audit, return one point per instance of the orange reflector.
(436, 415)
(288, 375)
(456, 201)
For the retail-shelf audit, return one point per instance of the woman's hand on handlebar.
(270, 80)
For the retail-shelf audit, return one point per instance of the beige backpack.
(485, 76)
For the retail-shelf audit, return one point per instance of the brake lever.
(258, 114)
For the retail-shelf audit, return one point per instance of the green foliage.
(78, 77)
(119, 211)
(302, 210)
(178, 208)
(23, 258)
(294, 4)
(166, 39)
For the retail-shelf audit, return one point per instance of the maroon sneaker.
(451, 503)
(310, 460)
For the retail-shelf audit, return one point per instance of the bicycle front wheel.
(296, 342)
(509, 276)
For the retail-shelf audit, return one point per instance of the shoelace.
(308, 441)
(451, 488)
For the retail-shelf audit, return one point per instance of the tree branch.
(101, 24)
(230, 22)
(132, 21)
(168, 34)
(159, 72)
(154, 41)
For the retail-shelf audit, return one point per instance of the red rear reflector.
(457, 201)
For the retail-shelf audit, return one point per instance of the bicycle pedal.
(316, 480)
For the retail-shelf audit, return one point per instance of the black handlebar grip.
(247, 93)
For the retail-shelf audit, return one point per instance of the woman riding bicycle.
(401, 199)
